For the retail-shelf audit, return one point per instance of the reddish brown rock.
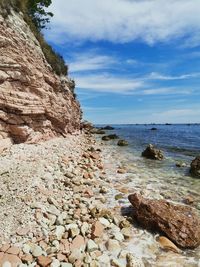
(13, 250)
(167, 245)
(152, 153)
(35, 103)
(77, 243)
(97, 229)
(179, 223)
(44, 261)
(5, 247)
(13, 259)
(195, 167)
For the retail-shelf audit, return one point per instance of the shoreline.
(74, 194)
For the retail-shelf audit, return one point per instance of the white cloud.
(158, 76)
(166, 91)
(90, 61)
(123, 21)
(108, 83)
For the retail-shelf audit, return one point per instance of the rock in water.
(152, 153)
(122, 143)
(180, 223)
(195, 167)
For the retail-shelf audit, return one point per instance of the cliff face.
(35, 103)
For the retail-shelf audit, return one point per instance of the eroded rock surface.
(180, 223)
(35, 103)
(195, 167)
(152, 153)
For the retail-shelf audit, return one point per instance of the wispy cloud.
(90, 61)
(122, 21)
(108, 83)
(158, 76)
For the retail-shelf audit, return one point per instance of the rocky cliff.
(35, 103)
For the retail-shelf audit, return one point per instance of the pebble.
(104, 221)
(55, 263)
(133, 261)
(60, 230)
(113, 246)
(37, 251)
(91, 246)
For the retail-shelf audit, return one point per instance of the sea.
(180, 143)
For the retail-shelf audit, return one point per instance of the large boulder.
(152, 153)
(178, 222)
(195, 167)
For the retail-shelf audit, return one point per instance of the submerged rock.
(108, 128)
(180, 223)
(152, 153)
(122, 143)
(195, 167)
(105, 138)
(110, 137)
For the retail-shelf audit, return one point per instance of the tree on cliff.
(37, 11)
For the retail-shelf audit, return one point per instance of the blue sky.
(134, 61)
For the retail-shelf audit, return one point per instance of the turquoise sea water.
(155, 179)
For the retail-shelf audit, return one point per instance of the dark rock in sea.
(99, 131)
(105, 138)
(195, 167)
(113, 136)
(122, 143)
(154, 129)
(108, 128)
(181, 164)
(152, 153)
(179, 223)
(168, 124)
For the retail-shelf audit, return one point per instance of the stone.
(180, 223)
(181, 164)
(44, 261)
(152, 153)
(117, 263)
(78, 243)
(195, 167)
(133, 261)
(75, 255)
(5, 144)
(55, 263)
(105, 138)
(97, 229)
(126, 232)
(108, 127)
(6, 264)
(37, 251)
(5, 247)
(104, 221)
(113, 246)
(91, 246)
(12, 259)
(13, 250)
(73, 229)
(122, 143)
(60, 230)
(167, 245)
(65, 264)
(23, 231)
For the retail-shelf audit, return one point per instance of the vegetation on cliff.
(37, 18)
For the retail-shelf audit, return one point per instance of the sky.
(133, 61)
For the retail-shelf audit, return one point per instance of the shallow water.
(154, 179)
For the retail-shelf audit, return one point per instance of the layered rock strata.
(35, 103)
